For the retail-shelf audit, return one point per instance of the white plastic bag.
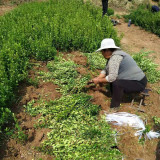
(132, 120)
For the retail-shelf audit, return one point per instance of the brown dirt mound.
(45, 91)
(77, 57)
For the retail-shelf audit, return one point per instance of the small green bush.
(146, 19)
(110, 11)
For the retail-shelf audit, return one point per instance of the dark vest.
(128, 69)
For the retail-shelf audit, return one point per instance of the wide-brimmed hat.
(106, 44)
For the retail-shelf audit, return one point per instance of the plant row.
(146, 19)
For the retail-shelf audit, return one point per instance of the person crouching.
(121, 71)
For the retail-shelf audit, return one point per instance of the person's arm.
(101, 76)
(114, 64)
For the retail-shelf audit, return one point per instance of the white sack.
(132, 120)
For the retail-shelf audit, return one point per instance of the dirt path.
(136, 39)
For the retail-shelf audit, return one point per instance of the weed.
(156, 120)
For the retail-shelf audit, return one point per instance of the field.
(47, 109)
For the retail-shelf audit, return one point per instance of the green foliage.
(158, 90)
(18, 133)
(110, 11)
(32, 81)
(156, 120)
(148, 66)
(39, 29)
(146, 19)
(6, 118)
(65, 75)
(64, 25)
(95, 61)
(76, 132)
(7, 122)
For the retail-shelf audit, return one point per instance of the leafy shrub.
(148, 66)
(146, 19)
(38, 29)
(110, 11)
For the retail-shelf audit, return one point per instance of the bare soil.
(5, 8)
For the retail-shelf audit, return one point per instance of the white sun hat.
(107, 43)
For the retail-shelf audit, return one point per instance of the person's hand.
(95, 80)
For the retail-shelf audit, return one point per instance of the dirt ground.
(5, 8)
(134, 40)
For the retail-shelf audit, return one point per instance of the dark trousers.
(119, 87)
(105, 6)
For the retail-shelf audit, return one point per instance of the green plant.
(66, 76)
(148, 66)
(32, 81)
(118, 16)
(95, 61)
(75, 130)
(19, 134)
(6, 119)
(38, 29)
(156, 120)
(145, 18)
(110, 11)
(158, 90)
